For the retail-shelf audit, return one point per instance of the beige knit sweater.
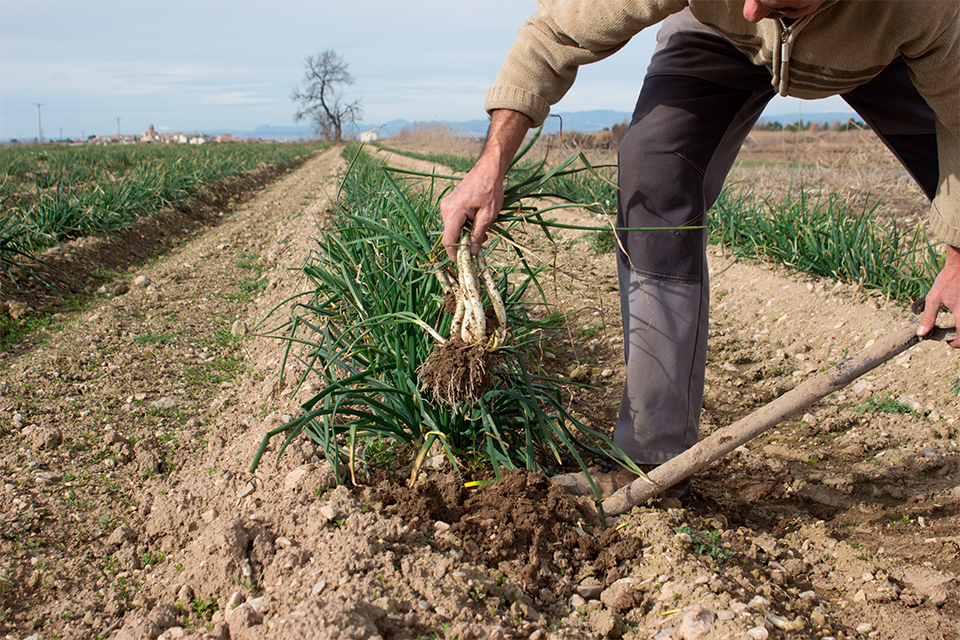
(841, 45)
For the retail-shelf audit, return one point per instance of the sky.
(98, 67)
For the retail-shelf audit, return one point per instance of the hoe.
(729, 438)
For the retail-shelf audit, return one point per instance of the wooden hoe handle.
(729, 438)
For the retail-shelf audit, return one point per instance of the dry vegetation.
(854, 163)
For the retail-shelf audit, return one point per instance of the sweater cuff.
(517, 99)
(943, 230)
(945, 211)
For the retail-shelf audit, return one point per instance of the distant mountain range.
(583, 121)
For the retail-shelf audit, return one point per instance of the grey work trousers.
(700, 99)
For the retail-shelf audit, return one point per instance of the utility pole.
(118, 126)
(39, 123)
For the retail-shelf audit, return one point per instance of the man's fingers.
(931, 308)
(927, 320)
(481, 223)
(455, 214)
(477, 238)
(450, 239)
(944, 294)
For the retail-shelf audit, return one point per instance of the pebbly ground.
(127, 511)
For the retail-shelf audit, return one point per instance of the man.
(716, 66)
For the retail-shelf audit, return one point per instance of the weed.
(204, 608)
(249, 261)
(111, 564)
(249, 584)
(150, 338)
(250, 288)
(214, 373)
(882, 404)
(603, 242)
(379, 451)
(707, 543)
(590, 329)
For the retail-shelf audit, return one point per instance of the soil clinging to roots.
(459, 372)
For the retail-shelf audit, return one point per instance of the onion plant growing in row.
(51, 194)
(361, 333)
(822, 236)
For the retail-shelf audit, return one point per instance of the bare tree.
(321, 98)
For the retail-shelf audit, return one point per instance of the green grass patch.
(590, 330)
(882, 404)
(603, 242)
(779, 164)
(596, 189)
(250, 262)
(154, 338)
(204, 609)
(216, 372)
(40, 327)
(250, 288)
(707, 543)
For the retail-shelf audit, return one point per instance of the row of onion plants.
(360, 332)
(51, 194)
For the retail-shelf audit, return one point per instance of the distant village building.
(368, 136)
(150, 135)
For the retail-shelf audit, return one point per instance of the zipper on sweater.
(784, 57)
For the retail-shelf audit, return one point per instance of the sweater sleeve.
(935, 72)
(560, 37)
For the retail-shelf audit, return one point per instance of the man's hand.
(945, 292)
(479, 196)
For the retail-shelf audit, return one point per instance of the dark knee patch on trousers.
(678, 124)
(674, 253)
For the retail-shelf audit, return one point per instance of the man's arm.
(945, 292)
(479, 196)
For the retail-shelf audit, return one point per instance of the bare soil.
(127, 428)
